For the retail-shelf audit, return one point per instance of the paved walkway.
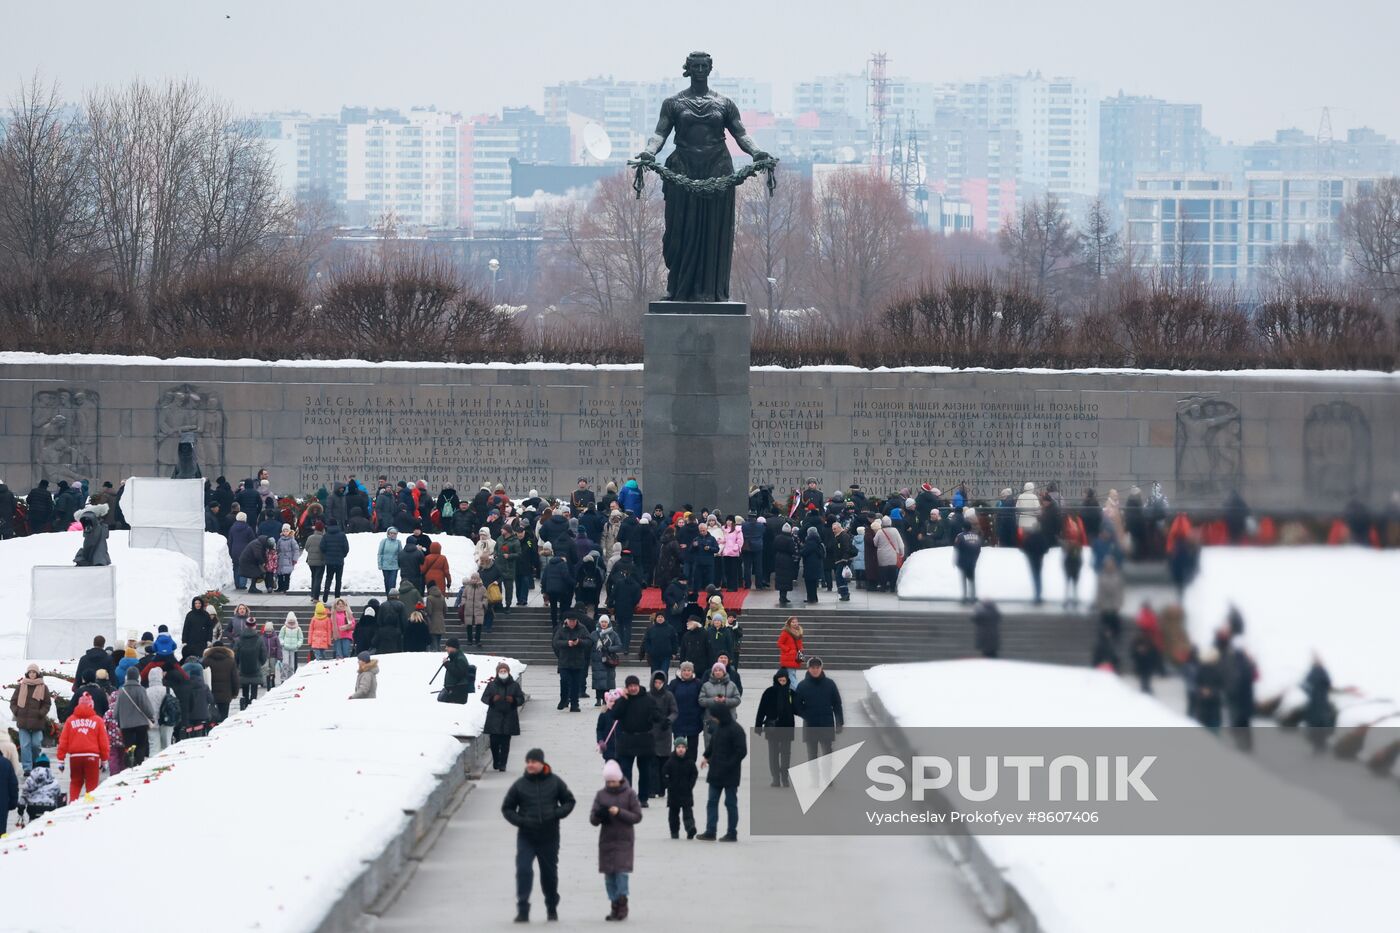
(762, 883)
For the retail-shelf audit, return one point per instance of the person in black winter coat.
(95, 659)
(250, 654)
(1319, 715)
(573, 646)
(776, 714)
(557, 585)
(813, 563)
(535, 805)
(724, 761)
(1005, 521)
(987, 619)
(389, 630)
(817, 701)
(637, 716)
(335, 548)
(366, 626)
(784, 552)
(503, 698)
(198, 629)
(1035, 546)
(967, 550)
(1209, 689)
(252, 563)
(358, 523)
(39, 505)
(7, 513)
(678, 776)
(659, 643)
(624, 589)
(1239, 695)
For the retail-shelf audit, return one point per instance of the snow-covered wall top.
(1287, 439)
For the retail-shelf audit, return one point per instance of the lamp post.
(495, 266)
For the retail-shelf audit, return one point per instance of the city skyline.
(470, 61)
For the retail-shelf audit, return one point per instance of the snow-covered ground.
(1340, 602)
(283, 802)
(1003, 575)
(154, 586)
(1088, 884)
(362, 573)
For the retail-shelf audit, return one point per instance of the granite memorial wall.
(1288, 441)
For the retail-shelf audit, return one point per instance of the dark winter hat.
(147, 636)
(682, 742)
(363, 657)
(163, 629)
(452, 642)
(42, 761)
(814, 662)
(133, 676)
(633, 679)
(535, 754)
(658, 675)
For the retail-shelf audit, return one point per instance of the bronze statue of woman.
(699, 238)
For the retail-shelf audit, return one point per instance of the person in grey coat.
(606, 649)
(719, 691)
(135, 715)
(93, 553)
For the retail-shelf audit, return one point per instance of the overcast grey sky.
(1254, 65)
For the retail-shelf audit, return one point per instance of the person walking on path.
(724, 761)
(574, 647)
(535, 805)
(967, 549)
(678, 777)
(29, 706)
(790, 654)
(135, 716)
(775, 713)
(818, 702)
(503, 698)
(84, 740)
(616, 812)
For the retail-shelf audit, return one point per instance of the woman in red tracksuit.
(84, 739)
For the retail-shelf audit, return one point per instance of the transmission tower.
(897, 163)
(912, 184)
(877, 102)
(1326, 143)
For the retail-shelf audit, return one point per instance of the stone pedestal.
(695, 405)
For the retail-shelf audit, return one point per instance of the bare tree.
(772, 245)
(864, 245)
(1370, 227)
(1298, 268)
(1041, 247)
(45, 221)
(609, 253)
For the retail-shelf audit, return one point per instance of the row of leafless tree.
(149, 219)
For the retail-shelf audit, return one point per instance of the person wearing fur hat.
(616, 811)
(535, 805)
(607, 653)
(503, 698)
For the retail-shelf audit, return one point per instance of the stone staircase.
(843, 638)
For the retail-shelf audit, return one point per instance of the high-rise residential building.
(321, 161)
(849, 94)
(401, 169)
(1057, 123)
(519, 133)
(278, 133)
(974, 163)
(1207, 227)
(1145, 135)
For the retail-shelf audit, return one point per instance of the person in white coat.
(889, 552)
(1028, 509)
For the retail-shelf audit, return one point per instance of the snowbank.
(362, 573)
(1003, 574)
(1337, 601)
(154, 586)
(20, 357)
(290, 797)
(1088, 884)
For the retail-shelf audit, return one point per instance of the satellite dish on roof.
(596, 142)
